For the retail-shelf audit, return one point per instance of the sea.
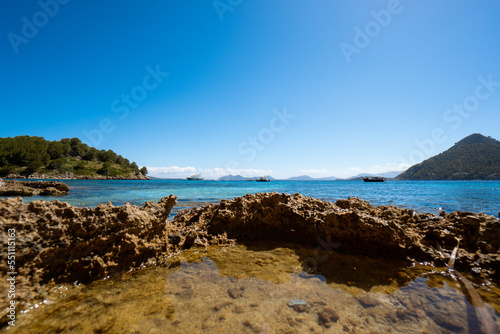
(421, 196)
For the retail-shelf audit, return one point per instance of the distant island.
(242, 178)
(35, 157)
(309, 178)
(475, 157)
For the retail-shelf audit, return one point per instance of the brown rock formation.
(355, 226)
(32, 188)
(56, 240)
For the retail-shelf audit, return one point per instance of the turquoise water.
(425, 196)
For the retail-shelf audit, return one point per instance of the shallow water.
(425, 196)
(262, 288)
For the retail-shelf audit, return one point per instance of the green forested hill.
(25, 155)
(475, 157)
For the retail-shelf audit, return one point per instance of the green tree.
(28, 154)
(57, 150)
(105, 169)
(144, 171)
(90, 155)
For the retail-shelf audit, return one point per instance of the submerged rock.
(235, 292)
(367, 300)
(298, 305)
(295, 302)
(328, 316)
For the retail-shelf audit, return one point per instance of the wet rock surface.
(355, 226)
(33, 188)
(55, 242)
(328, 316)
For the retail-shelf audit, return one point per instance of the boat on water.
(196, 177)
(262, 179)
(374, 179)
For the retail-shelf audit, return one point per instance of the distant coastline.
(71, 176)
(27, 157)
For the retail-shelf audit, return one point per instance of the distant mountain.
(300, 178)
(309, 178)
(241, 178)
(475, 157)
(328, 178)
(389, 175)
(232, 178)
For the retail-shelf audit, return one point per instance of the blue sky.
(325, 88)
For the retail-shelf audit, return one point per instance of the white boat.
(262, 179)
(196, 177)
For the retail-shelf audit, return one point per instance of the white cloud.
(213, 173)
(170, 170)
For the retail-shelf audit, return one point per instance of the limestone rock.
(328, 316)
(357, 227)
(32, 188)
(55, 241)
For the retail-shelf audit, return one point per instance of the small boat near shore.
(262, 179)
(196, 177)
(374, 179)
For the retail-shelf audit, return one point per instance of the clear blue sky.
(361, 81)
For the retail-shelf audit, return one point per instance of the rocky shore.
(354, 226)
(33, 188)
(58, 243)
(72, 176)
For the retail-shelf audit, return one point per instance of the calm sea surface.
(426, 196)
